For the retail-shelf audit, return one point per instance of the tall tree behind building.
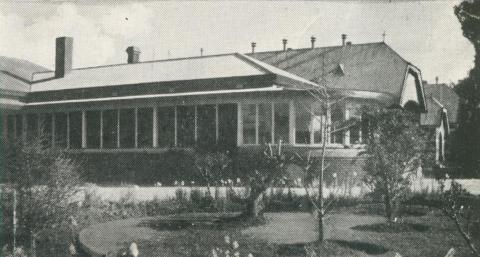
(466, 140)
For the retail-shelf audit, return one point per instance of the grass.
(284, 234)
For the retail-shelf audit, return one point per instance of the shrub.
(45, 181)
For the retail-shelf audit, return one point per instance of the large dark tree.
(466, 140)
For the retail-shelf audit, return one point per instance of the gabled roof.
(373, 67)
(433, 116)
(16, 75)
(20, 68)
(10, 84)
(445, 96)
(185, 69)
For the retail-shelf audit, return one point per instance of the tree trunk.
(388, 206)
(466, 237)
(255, 206)
(321, 236)
(321, 211)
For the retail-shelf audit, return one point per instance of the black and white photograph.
(293, 128)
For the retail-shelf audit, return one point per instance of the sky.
(426, 33)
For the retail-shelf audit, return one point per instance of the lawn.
(349, 232)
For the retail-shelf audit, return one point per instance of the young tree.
(211, 167)
(270, 168)
(463, 209)
(396, 148)
(44, 181)
(315, 167)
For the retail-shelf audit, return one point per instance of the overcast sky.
(425, 33)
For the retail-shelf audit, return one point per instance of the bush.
(44, 181)
(278, 201)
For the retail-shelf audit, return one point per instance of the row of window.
(267, 122)
(182, 126)
(187, 126)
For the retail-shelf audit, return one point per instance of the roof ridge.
(274, 70)
(146, 62)
(199, 57)
(320, 47)
(15, 76)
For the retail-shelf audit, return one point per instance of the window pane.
(249, 113)
(75, 130)
(145, 127)
(318, 123)
(206, 125)
(227, 125)
(302, 123)
(61, 130)
(166, 126)
(365, 128)
(110, 128)
(186, 126)
(127, 128)
(93, 129)
(265, 123)
(355, 116)
(19, 126)
(32, 126)
(282, 122)
(337, 122)
(46, 128)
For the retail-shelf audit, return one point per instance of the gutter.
(273, 88)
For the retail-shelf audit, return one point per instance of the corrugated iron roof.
(196, 68)
(12, 84)
(371, 67)
(446, 96)
(20, 68)
(16, 75)
(433, 115)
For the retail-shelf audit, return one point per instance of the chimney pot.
(344, 39)
(436, 80)
(284, 41)
(253, 47)
(133, 53)
(312, 40)
(63, 56)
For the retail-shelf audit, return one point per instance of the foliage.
(279, 201)
(44, 182)
(212, 167)
(461, 152)
(229, 248)
(396, 148)
(464, 153)
(269, 168)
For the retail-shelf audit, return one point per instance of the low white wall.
(165, 193)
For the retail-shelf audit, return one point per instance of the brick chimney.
(344, 39)
(133, 53)
(63, 56)
(312, 40)
(284, 42)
